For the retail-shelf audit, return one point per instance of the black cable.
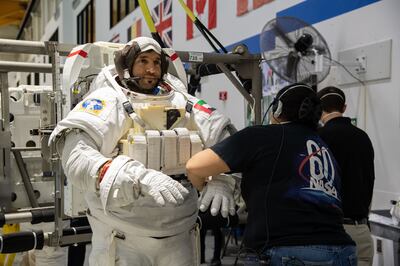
(346, 69)
(246, 83)
(208, 32)
(269, 183)
(91, 75)
(266, 112)
(207, 37)
(156, 36)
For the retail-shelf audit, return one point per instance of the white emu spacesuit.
(138, 213)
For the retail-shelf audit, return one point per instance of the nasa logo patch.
(93, 106)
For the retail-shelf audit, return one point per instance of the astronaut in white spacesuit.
(116, 145)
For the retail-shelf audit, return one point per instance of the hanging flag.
(245, 6)
(206, 12)
(135, 30)
(162, 17)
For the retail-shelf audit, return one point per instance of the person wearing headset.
(142, 209)
(290, 184)
(354, 153)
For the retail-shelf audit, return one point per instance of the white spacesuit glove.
(219, 191)
(126, 179)
(162, 188)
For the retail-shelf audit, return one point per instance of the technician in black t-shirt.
(291, 184)
(354, 153)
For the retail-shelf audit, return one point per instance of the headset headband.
(332, 93)
(296, 86)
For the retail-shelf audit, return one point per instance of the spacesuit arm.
(81, 159)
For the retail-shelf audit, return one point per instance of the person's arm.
(204, 164)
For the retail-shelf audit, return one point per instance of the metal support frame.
(57, 169)
(5, 145)
(11, 66)
(31, 47)
(257, 92)
(54, 50)
(25, 178)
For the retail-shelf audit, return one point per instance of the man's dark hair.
(332, 99)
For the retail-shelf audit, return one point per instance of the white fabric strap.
(112, 249)
(109, 177)
(123, 98)
(137, 119)
(137, 148)
(169, 152)
(153, 149)
(183, 145)
(196, 143)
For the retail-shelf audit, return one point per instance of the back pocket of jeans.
(293, 261)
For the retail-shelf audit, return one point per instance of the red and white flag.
(162, 16)
(245, 6)
(206, 11)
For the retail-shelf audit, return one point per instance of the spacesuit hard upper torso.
(103, 117)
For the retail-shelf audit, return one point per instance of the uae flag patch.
(204, 107)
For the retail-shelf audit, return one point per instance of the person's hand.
(219, 193)
(162, 188)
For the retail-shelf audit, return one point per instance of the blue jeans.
(311, 255)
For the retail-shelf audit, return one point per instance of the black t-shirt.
(354, 153)
(290, 183)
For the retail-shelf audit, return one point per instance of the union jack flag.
(162, 16)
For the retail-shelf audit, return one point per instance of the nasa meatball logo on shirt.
(318, 173)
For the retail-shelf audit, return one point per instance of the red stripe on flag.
(79, 52)
(174, 56)
(202, 108)
(212, 14)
